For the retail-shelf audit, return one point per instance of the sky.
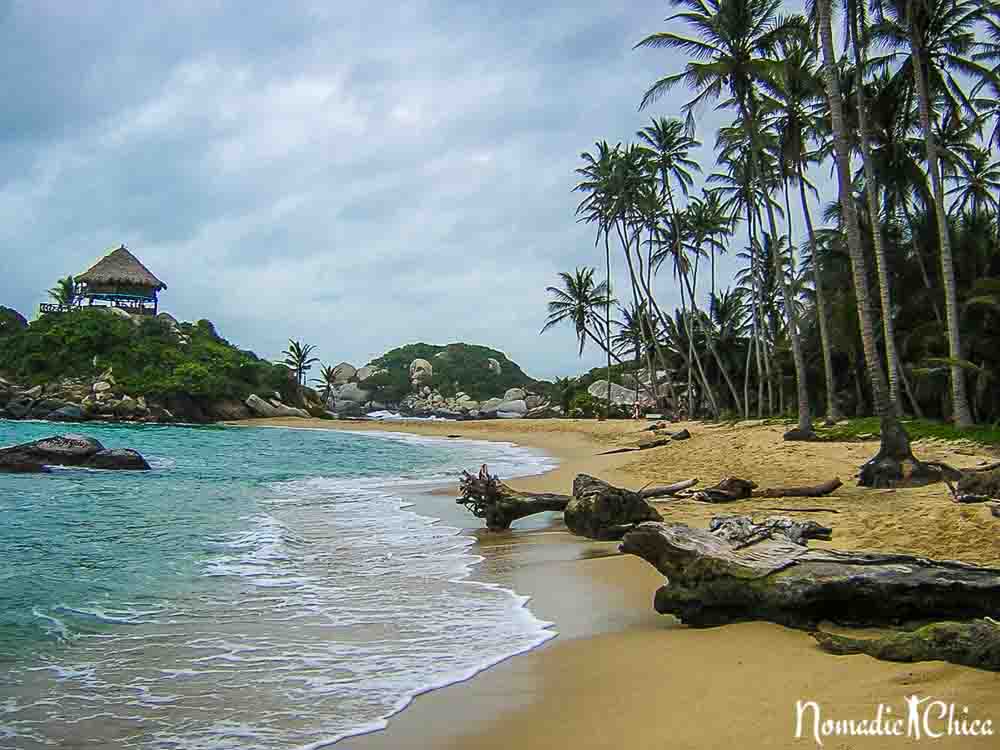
(355, 177)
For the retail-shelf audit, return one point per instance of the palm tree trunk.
(607, 318)
(822, 314)
(895, 446)
(959, 397)
(875, 215)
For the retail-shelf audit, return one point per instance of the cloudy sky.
(355, 178)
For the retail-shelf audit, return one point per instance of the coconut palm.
(732, 49)
(297, 359)
(940, 38)
(328, 380)
(64, 292)
(977, 185)
(579, 301)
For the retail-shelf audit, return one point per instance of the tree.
(578, 302)
(297, 359)
(64, 292)
(328, 380)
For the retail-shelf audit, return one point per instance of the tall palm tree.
(64, 292)
(732, 56)
(328, 380)
(940, 37)
(579, 301)
(298, 359)
(977, 185)
(886, 467)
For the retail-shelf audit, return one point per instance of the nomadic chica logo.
(920, 719)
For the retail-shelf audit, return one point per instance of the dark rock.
(227, 410)
(118, 458)
(46, 406)
(799, 435)
(682, 435)
(67, 413)
(599, 510)
(653, 441)
(19, 408)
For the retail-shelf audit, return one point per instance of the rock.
(46, 406)
(620, 395)
(798, 435)
(228, 410)
(420, 371)
(352, 392)
(68, 413)
(366, 372)
(35, 392)
(533, 401)
(682, 435)
(599, 510)
(18, 408)
(514, 394)
(167, 318)
(344, 372)
(348, 409)
(490, 404)
(545, 411)
(118, 458)
(102, 386)
(494, 366)
(259, 406)
(517, 406)
(126, 407)
(284, 410)
(67, 450)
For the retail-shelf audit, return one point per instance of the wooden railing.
(47, 307)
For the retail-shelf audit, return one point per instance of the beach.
(620, 675)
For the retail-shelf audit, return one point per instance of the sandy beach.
(620, 675)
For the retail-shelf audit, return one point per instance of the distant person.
(636, 413)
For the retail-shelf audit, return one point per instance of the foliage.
(11, 320)
(149, 359)
(298, 359)
(64, 292)
(457, 367)
(919, 429)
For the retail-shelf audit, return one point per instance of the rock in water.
(67, 450)
(599, 510)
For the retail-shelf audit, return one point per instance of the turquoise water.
(259, 588)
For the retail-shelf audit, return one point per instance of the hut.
(119, 279)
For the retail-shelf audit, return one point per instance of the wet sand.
(619, 675)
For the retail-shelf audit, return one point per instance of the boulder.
(118, 458)
(46, 406)
(18, 408)
(620, 395)
(420, 371)
(284, 410)
(102, 386)
(366, 372)
(490, 404)
(533, 401)
(494, 366)
(68, 413)
(126, 407)
(514, 394)
(35, 392)
(517, 406)
(545, 411)
(602, 511)
(228, 410)
(344, 373)
(352, 392)
(259, 406)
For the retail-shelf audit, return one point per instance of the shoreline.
(619, 674)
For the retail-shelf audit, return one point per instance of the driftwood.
(732, 489)
(667, 489)
(602, 511)
(742, 531)
(980, 485)
(973, 644)
(500, 505)
(710, 581)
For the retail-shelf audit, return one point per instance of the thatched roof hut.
(119, 278)
(120, 268)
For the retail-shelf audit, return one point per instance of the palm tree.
(886, 467)
(977, 185)
(328, 379)
(297, 359)
(64, 292)
(578, 301)
(940, 37)
(735, 40)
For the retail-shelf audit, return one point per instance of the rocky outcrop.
(516, 407)
(620, 395)
(515, 394)
(421, 371)
(344, 373)
(494, 366)
(68, 450)
(599, 510)
(271, 408)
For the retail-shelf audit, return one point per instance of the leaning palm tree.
(64, 292)
(733, 54)
(297, 359)
(579, 301)
(940, 38)
(894, 462)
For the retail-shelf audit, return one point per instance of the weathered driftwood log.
(742, 531)
(976, 485)
(599, 510)
(731, 489)
(668, 489)
(711, 582)
(500, 505)
(973, 644)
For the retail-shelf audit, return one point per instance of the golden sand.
(619, 675)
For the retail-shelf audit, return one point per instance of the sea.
(258, 588)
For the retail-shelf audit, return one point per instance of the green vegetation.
(298, 359)
(457, 367)
(150, 359)
(64, 292)
(918, 429)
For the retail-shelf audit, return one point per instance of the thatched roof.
(120, 267)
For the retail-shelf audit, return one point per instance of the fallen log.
(667, 489)
(500, 505)
(972, 644)
(742, 531)
(732, 489)
(599, 510)
(976, 485)
(711, 582)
